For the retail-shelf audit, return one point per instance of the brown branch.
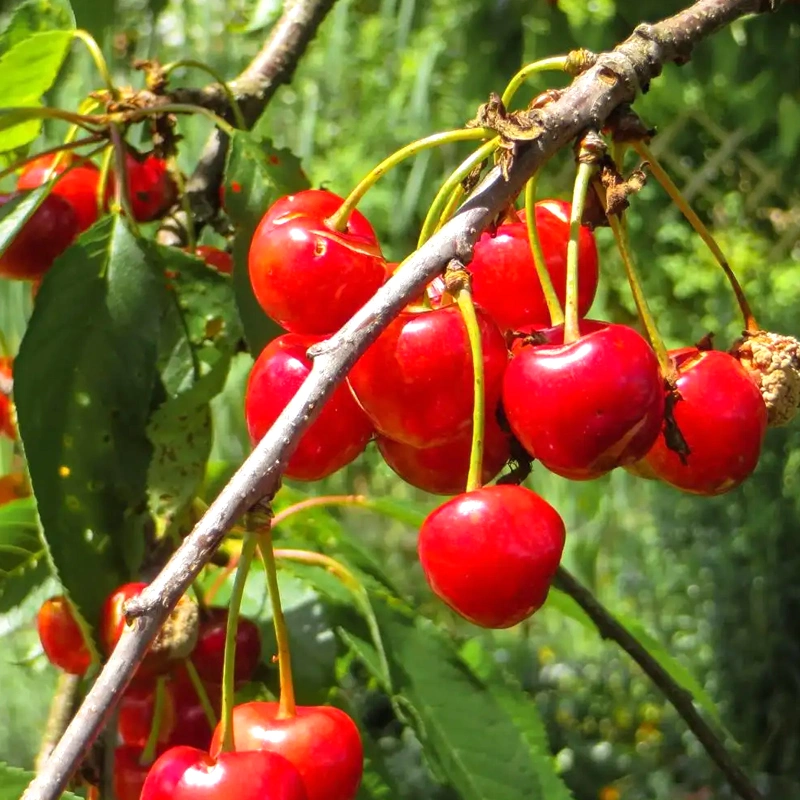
(616, 78)
(253, 89)
(609, 628)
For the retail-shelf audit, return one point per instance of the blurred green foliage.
(715, 579)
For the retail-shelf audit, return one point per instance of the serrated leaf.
(14, 780)
(17, 211)
(256, 175)
(83, 384)
(23, 555)
(33, 16)
(29, 69)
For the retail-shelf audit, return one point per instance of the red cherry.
(129, 772)
(7, 427)
(192, 727)
(586, 407)
(415, 381)
(208, 654)
(504, 278)
(136, 715)
(322, 742)
(78, 187)
(216, 258)
(723, 419)
(61, 636)
(309, 278)
(491, 554)
(186, 773)
(337, 435)
(42, 239)
(319, 204)
(150, 186)
(443, 469)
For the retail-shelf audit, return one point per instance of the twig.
(615, 79)
(62, 707)
(681, 700)
(253, 89)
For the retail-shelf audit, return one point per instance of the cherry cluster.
(580, 404)
(75, 203)
(168, 739)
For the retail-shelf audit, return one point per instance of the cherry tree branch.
(616, 78)
(610, 628)
(273, 66)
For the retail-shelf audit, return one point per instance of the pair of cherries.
(72, 206)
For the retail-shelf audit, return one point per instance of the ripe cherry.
(527, 335)
(415, 381)
(337, 435)
(504, 277)
(491, 554)
(41, 240)
(319, 204)
(136, 715)
(186, 773)
(723, 419)
(209, 651)
(129, 772)
(79, 187)
(308, 277)
(322, 742)
(150, 186)
(220, 260)
(7, 427)
(443, 469)
(586, 407)
(192, 726)
(61, 636)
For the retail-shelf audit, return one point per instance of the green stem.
(122, 190)
(452, 204)
(339, 220)
(555, 63)
(99, 60)
(17, 165)
(181, 108)
(102, 184)
(286, 704)
(234, 103)
(229, 661)
(620, 231)
(449, 186)
(571, 320)
(463, 296)
(149, 752)
(677, 197)
(200, 691)
(546, 281)
(14, 115)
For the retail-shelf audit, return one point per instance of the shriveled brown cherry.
(722, 418)
(589, 406)
(50, 230)
(415, 381)
(334, 438)
(61, 637)
(491, 554)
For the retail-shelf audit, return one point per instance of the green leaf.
(15, 213)
(256, 175)
(404, 512)
(33, 16)
(564, 604)
(83, 383)
(97, 18)
(23, 555)
(29, 69)
(13, 782)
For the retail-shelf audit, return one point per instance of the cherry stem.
(286, 703)
(122, 190)
(193, 64)
(440, 202)
(99, 60)
(149, 751)
(73, 145)
(14, 115)
(550, 296)
(555, 63)
(338, 221)
(463, 296)
(180, 108)
(452, 204)
(620, 230)
(571, 319)
(317, 502)
(229, 659)
(200, 691)
(702, 230)
(186, 206)
(102, 183)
